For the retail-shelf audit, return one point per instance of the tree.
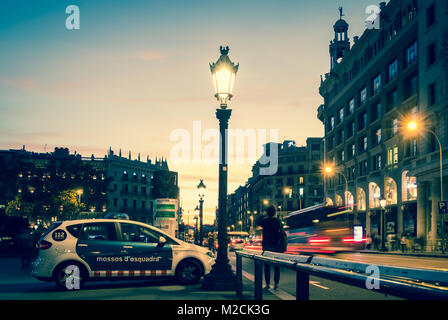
(66, 204)
(20, 208)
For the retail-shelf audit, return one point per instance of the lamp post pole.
(441, 189)
(383, 203)
(201, 188)
(221, 277)
(413, 126)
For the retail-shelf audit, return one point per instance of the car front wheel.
(188, 272)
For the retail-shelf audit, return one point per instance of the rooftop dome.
(341, 24)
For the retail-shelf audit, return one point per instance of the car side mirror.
(161, 241)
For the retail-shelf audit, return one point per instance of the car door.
(98, 245)
(144, 253)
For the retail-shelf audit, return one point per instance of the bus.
(323, 229)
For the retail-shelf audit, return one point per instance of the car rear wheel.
(188, 272)
(69, 276)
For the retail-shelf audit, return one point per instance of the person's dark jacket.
(271, 232)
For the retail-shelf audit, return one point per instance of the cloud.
(24, 84)
(149, 55)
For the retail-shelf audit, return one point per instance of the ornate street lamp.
(224, 72)
(415, 128)
(201, 193)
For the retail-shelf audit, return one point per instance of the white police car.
(104, 249)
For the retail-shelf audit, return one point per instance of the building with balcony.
(387, 77)
(132, 183)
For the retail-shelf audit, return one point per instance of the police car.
(104, 249)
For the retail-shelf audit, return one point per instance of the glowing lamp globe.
(224, 74)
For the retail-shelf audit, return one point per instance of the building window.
(363, 95)
(363, 144)
(143, 204)
(411, 54)
(377, 84)
(394, 126)
(392, 100)
(363, 168)
(430, 15)
(361, 199)
(409, 187)
(393, 70)
(414, 147)
(378, 136)
(331, 123)
(411, 86)
(351, 106)
(341, 114)
(362, 121)
(392, 156)
(125, 203)
(432, 94)
(115, 202)
(431, 54)
(300, 180)
(375, 112)
(374, 195)
(376, 164)
(390, 191)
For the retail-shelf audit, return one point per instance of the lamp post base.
(220, 278)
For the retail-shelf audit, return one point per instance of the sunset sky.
(138, 70)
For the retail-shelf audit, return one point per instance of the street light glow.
(224, 74)
(412, 125)
(328, 169)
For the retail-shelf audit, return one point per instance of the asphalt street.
(19, 284)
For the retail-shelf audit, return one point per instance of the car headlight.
(210, 254)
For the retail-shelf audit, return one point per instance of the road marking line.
(315, 283)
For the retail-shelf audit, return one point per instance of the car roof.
(79, 221)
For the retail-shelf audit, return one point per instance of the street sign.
(443, 207)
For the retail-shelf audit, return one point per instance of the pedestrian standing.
(25, 247)
(211, 242)
(369, 242)
(403, 243)
(272, 233)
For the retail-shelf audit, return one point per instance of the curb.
(428, 255)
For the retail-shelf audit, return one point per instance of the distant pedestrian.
(369, 242)
(403, 243)
(25, 247)
(211, 242)
(272, 236)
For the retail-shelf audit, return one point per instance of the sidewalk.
(411, 254)
(17, 284)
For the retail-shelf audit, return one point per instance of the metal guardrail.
(409, 283)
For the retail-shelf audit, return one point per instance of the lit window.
(377, 84)
(363, 95)
(393, 69)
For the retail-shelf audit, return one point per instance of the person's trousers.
(267, 273)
